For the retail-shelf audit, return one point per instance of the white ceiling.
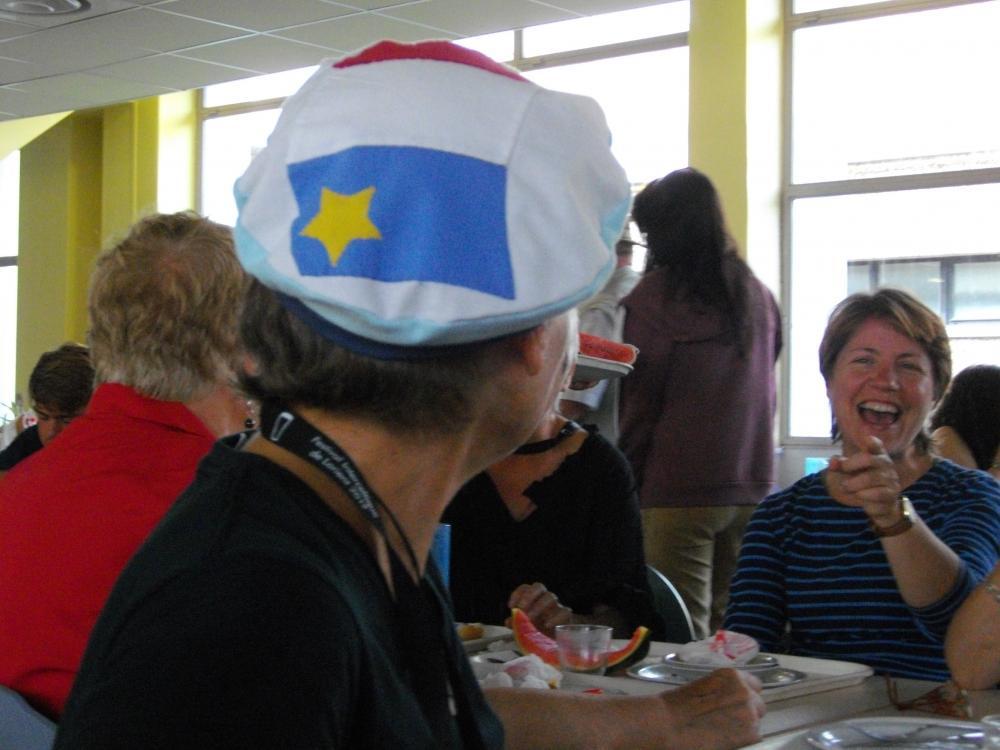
(127, 49)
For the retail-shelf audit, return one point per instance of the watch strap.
(905, 523)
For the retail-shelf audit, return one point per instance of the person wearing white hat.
(420, 227)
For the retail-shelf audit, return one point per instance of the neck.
(415, 476)
(911, 466)
(221, 409)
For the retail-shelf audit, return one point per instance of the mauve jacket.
(696, 418)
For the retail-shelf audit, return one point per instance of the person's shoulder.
(947, 481)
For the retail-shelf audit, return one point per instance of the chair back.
(668, 604)
(21, 726)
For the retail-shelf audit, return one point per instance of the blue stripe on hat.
(402, 213)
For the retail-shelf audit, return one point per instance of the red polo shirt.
(71, 516)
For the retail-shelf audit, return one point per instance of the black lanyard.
(285, 428)
(431, 679)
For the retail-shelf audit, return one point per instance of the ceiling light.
(43, 7)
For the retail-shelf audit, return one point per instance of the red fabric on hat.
(433, 50)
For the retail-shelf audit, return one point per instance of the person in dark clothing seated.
(553, 529)
(60, 388)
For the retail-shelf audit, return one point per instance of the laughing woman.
(869, 559)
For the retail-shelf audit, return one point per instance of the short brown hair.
(62, 380)
(295, 365)
(164, 305)
(907, 315)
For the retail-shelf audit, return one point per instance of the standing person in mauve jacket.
(697, 413)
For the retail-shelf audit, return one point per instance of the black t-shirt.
(20, 448)
(583, 541)
(253, 617)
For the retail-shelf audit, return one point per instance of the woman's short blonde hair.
(164, 305)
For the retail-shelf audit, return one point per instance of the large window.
(892, 174)
(10, 175)
(634, 63)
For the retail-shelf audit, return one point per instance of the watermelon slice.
(530, 640)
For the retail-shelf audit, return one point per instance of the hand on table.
(541, 606)
(866, 480)
(717, 712)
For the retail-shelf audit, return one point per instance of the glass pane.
(499, 46)
(258, 88)
(922, 279)
(830, 232)
(649, 133)
(8, 336)
(228, 144)
(10, 191)
(807, 6)
(900, 94)
(608, 28)
(977, 291)
(859, 277)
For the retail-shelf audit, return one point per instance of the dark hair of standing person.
(685, 229)
(971, 407)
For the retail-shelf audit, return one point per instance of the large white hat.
(413, 197)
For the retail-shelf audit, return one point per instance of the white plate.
(759, 663)
(491, 633)
(902, 733)
(594, 368)
(772, 677)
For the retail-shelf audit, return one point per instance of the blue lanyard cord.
(286, 429)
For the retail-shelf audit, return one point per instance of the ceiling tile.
(171, 71)
(12, 71)
(89, 88)
(97, 8)
(472, 17)
(353, 32)
(373, 4)
(596, 7)
(257, 16)
(264, 54)
(152, 29)
(68, 49)
(9, 30)
(25, 104)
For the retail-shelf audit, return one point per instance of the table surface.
(787, 717)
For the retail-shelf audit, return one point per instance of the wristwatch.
(903, 524)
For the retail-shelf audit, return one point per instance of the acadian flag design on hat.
(413, 197)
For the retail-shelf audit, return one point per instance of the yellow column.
(60, 230)
(717, 126)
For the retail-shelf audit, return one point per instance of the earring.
(250, 422)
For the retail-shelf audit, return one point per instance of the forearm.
(719, 712)
(545, 720)
(926, 569)
(972, 647)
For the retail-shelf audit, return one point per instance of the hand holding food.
(541, 606)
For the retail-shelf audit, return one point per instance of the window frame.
(792, 191)
(518, 62)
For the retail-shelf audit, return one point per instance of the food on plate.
(526, 671)
(601, 348)
(470, 631)
(724, 649)
(530, 640)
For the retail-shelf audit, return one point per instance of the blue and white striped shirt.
(814, 565)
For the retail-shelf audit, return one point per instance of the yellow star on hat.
(340, 220)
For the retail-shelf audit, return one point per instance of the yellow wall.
(84, 181)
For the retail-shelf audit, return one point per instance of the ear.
(530, 349)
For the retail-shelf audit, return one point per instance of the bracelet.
(993, 590)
